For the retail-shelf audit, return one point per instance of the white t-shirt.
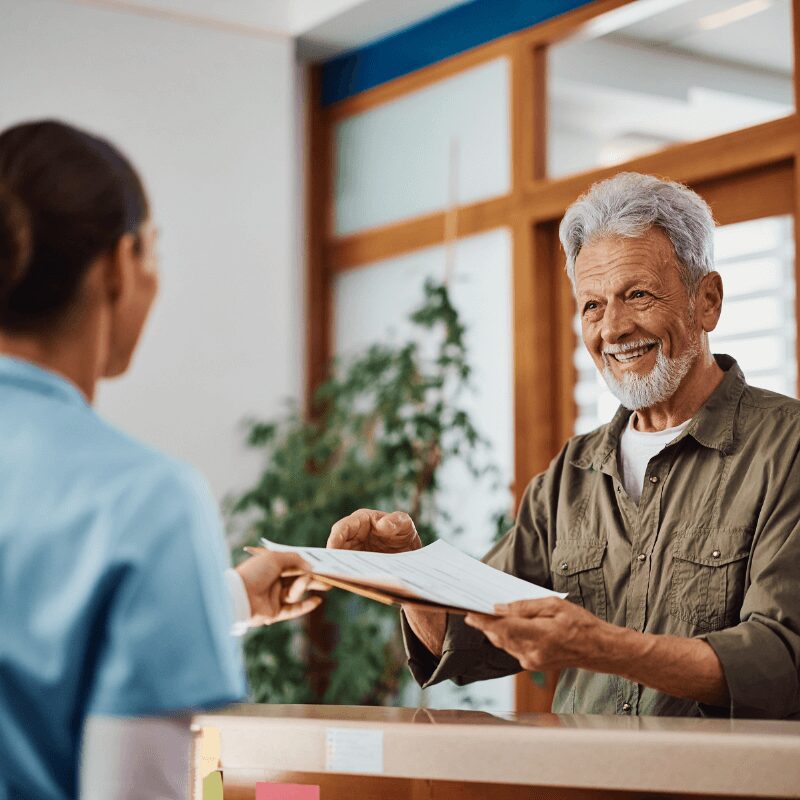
(636, 448)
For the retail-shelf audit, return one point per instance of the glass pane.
(658, 72)
(372, 304)
(757, 326)
(444, 144)
(748, 316)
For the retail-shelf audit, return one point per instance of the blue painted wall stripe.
(434, 39)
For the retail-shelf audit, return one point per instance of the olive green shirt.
(711, 551)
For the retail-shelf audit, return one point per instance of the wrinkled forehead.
(610, 262)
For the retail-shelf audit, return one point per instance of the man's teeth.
(631, 355)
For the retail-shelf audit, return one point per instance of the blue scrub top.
(112, 594)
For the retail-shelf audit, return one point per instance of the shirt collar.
(712, 426)
(599, 453)
(30, 377)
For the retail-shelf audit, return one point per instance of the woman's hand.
(276, 586)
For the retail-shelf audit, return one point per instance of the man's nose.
(617, 322)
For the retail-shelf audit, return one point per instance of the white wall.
(262, 15)
(210, 117)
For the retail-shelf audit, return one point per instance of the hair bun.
(15, 241)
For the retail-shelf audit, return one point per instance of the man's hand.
(376, 531)
(275, 596)
(380, 532)
(552, 634)
(546, 634)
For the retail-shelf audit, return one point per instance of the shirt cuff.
(421, 661)
(241, 603)
(467, 656)
(761, 674)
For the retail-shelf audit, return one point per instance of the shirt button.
(716, 554)
(626, 708)
(654, 479)
(564, 565)
(642, 557)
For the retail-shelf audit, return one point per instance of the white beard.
(642, 391)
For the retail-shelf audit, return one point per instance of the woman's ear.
(131, 284)
(708, 305)
(120, 267)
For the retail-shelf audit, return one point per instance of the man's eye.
(590, 306)
(638, 294)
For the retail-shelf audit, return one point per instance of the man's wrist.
(617, 650)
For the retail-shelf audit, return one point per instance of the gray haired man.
(674, 528)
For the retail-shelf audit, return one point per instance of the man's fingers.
(544, 607)
(503, 628)
(353, 528)
(480, 621)
(491, 627)
(341, 532)
(398, 523)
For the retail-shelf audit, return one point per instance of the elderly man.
(674, 528)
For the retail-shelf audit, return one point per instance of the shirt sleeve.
(760, 656)
(467, 655)
(241, 603)
(166, 643)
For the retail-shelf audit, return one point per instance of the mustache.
(614, 349)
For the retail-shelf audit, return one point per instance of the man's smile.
(629, 354)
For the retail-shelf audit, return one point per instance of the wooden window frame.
(744, 174)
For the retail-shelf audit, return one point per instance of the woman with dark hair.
(115, 619)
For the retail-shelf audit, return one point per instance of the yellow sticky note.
(212, 786)
(209, 749)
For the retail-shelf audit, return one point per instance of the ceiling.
(760, 38)
(325, 28)
(658, 72)
(322, 28)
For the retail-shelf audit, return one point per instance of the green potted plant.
(386, 422)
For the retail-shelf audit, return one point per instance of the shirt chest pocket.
(577, 569)
(709, 567)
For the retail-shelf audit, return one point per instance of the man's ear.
(120, 266)
(708, 305)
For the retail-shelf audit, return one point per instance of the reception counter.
(394, 753)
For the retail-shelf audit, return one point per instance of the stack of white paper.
(438, 573)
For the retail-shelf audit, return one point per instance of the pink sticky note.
(286, 791)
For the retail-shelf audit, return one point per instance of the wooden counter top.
(734, 758)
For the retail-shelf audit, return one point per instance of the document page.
(438, 573)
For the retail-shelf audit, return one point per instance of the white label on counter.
(354, 750)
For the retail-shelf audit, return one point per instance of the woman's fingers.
(296, 589)
(294, 610)
(290, 561)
